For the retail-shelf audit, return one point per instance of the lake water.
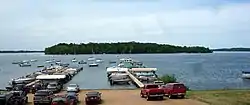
(197, 71)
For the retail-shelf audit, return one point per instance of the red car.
(93, 97)
(152, 91)
(174, 89)
(62, 99)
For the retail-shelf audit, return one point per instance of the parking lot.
(130, 97)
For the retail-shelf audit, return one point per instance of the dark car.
(93, 97)
(72, 97)
(43, 97)
(18, 98)
(4, 98)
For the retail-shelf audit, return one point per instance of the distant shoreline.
(21, 51)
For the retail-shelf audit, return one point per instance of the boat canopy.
(115, 69)
(143, 69)
(49, 77)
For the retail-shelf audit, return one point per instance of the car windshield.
(152, 86)
(52, 85)
(179, 86)
(58, 99)
(72, 85)
(41, 93)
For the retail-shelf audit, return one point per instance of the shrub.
(168, 78)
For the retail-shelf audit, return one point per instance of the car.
(18, 98)
(174, 89)
(72, 97)
(73, 87)
(54, 87)
(60, 101)
(152, 91)
(43, 97)
(93, 97)
(5, 98)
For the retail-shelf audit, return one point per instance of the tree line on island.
(122, 48)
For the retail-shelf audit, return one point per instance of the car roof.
(174, 84)
(92, 93)
(71, 93)
(43, 90)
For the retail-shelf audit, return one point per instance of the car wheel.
(161, 98)
(142, 96)
(182, 96)
(170, 96)
(148, 98)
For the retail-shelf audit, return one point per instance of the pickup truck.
(43, 97)
(152, 91)
(174, 89)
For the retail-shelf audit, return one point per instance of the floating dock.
(135, 80)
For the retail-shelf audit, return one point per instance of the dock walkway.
(135, 80)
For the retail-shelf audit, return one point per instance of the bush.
(168, 78)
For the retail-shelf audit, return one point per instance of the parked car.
(73, 87)
(18, 98)
(174, 89)
(152, 91)
(60, 101)
(54, 87)
(72, 97)
(5, 97)
(43, 97)
(93, 97)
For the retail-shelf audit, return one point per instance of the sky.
(37, 24)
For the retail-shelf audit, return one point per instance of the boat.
(93, 65)
(245, 74)
(82, 62)
(33, 60)
(74, 60)
(98, 60)
(48, 61)
(119, 78)
(24, 64)
(91, 59)
(16, 62)
(112, 62)
(64, 64)
(40, 66)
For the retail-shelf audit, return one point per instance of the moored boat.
(246, 74)
(93, 65)
(24, 64)
(82, 62)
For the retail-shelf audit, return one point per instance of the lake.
(217, 70)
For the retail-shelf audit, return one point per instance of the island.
(122, 48)
(232, 49)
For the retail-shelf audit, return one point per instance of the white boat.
(33, 60)
(91, 59)
(246, 74)
(48, 61)
(93, 65)
(74, 60)
(24, 64)
(99, 61)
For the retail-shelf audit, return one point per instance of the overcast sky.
(36, 24)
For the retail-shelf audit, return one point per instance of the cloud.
(216, 25)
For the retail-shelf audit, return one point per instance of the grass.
(221, 97)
